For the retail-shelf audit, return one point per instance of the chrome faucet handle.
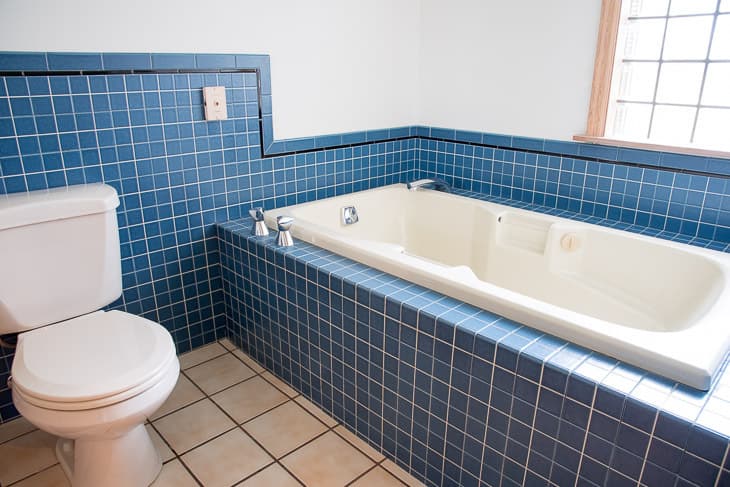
(256, 213)
(284, 238)
(259, 226)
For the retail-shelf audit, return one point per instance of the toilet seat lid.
(91, 357)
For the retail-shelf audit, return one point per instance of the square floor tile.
(184, 393)
(219, 373)
(327, 461)
(377, 476)
(200, 355)
(359, 443)
(404, 476)
(283, 429)
(227, 459)
(316, 411)
(160, 445)
(51, 477)
(248, 399)
(26, 455)
(280, 384)
(255, 366)
(227, 344)
(191, 426)
(174, 475)
(15, 428)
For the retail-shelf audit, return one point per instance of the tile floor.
(227, 422)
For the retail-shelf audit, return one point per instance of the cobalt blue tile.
(23, 61)
(376, 135)
(718, 166)
(657, 476)
(697, 471)
(354, 137)
(442, 133)
(125, 61)
(639, 156)
(17, 86)
(561, 147)
(598, 151)
(399, 132)
(497, 140)
(706, 445)
(215, 61)
(173, 61)
(665, 455)
(528, 143)
(638, 415)
(682, 161)
(468, 136)
(74, 61)
(327, 141)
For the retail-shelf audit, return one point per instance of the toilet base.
(130, 460)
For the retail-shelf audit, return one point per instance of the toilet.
(90, 377)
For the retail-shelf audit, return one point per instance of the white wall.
(519, 67)
(337, 66)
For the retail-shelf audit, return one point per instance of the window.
(662, 74)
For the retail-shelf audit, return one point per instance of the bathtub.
(655, 304)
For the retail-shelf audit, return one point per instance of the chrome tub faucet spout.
(435, 184)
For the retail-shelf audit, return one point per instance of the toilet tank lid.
(28, 208)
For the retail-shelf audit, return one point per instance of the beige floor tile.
(174, 475)
(250, 398)
(190, 426)
(219, 373)
(200, 355)
(14, 428)
(327, 461)
(280, 384)
(377, 476)
(272, 476)
(249, 361)
(26, 455)
(227, 344)
(404, 476)
(284, 428)
(227, 459)
(52, 477)
(316, 411)
(184, 393)
(361, 445)
(162, 448)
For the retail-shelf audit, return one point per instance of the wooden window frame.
(601, 91)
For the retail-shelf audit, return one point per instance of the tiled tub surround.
(458, 395)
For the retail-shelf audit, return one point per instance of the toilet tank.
(59, 255)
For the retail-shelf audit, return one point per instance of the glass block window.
(671, 77)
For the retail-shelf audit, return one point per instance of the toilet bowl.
(93, 381)
(91, 377)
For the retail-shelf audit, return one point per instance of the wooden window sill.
(695, 151)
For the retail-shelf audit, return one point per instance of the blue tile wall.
(176, 174)
(647, 199)
(458, 395)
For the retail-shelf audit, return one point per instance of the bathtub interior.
(610, 275)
